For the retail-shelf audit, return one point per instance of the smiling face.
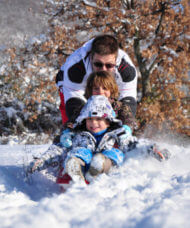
(101, 90)
(101, 83)
(103, 62)
(96, 124)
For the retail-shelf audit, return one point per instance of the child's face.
(101, 90)
(96, 124)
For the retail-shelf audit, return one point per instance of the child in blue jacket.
(97, 132)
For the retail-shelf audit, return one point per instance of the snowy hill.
(142, 193)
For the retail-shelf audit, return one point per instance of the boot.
(99, 164)
(74, 169)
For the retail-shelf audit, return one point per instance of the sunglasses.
(107, 65)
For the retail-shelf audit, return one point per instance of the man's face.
(96, 124)
(103, 62)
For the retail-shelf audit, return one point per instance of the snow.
(142, 193)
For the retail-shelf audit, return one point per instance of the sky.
(142, 193)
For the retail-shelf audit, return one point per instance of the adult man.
(101, 53)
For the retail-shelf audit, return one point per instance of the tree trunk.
(146, 89)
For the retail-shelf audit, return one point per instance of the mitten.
(124, 137)
(128, 131)
(66, 138)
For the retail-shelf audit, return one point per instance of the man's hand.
(35, 165)
(159, 154)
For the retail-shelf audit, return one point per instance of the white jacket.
(78, 67)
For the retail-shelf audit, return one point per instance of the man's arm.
(131, 102)
(72, 99)
(59, 78)
(128, 83)
(73, 108)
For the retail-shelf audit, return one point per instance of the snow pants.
(116, 155)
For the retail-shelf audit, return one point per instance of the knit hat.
(97, 106)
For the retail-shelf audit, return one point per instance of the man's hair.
(102, 78)
(105, 45)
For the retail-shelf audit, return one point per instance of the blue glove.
(128, 130)
(124, 133)
(66, 138)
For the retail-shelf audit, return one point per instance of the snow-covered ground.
(142, 193)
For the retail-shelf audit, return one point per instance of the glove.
(35, 165)
(159, 154)
(66, 138)
(128, 130)
(125, 137)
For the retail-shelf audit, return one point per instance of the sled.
(64, 180)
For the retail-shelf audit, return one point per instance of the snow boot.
(159, 154)
(74, 167)
(99, 164)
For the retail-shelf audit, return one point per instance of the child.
(97, 131)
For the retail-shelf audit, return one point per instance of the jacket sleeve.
(51, 157)
(127, 80)
(59, 78)
(131, 103)
(124, 113)
(75, 70)
(73, 108)
(123, 136)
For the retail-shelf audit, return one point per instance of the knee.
(116, 155)
(82, 153)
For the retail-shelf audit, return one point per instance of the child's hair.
(102, 78)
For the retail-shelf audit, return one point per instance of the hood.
(97, 106)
